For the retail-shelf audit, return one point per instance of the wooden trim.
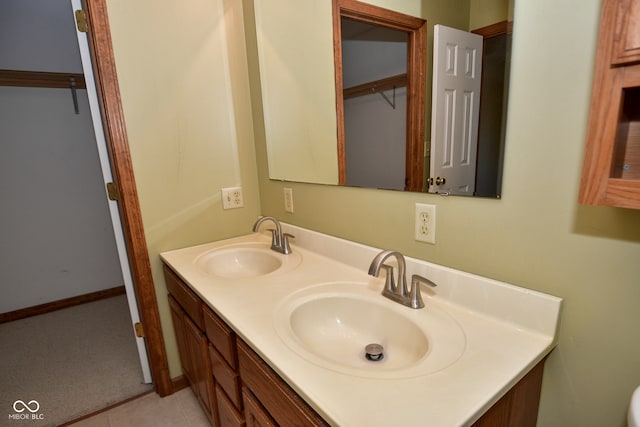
(122, 168)
(603, 116)
(375, 86)
(60, 304)
(378, 16)
(108, 408)
(178, 383)
(416, 81)
(417, 69)
(493, 30)
(40, 79)
(337, 53)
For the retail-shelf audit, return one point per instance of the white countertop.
(508, 330)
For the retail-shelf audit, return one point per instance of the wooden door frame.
(122, 168)
(416, 81)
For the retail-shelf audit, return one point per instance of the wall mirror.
(380, 63)
(300, 86)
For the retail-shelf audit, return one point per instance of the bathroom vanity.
(217, 363)
(260, 344)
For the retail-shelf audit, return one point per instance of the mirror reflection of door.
(457, 67)
(468, 147)
(496, 60)
(380, 60)
(374, 73)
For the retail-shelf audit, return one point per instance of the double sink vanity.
(303, 335)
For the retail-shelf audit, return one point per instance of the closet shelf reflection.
(45, 79)
(40, 79)
(377, 86)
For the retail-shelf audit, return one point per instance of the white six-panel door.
(457, 67)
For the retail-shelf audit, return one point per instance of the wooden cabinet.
(178, 316)
(186, 313)
(236, 388)
(224, 364)
(519, 407)
(268, 391)
(231, 381)
(229, 415)
(203, 384)
(255, 414)
(611, 170)
(626, 42)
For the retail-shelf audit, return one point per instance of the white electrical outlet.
(425, 223)
(232, 198)
(288, 199)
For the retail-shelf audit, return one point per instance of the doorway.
(374, 74)
(56, 212)
(356, 14)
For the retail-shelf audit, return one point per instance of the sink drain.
(374, 352)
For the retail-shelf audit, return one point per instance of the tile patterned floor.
(179, 409)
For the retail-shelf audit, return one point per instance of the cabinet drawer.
(226, 377)
(229, 415)
(280, 400)
(221, 336)
(187, 299)
(254, 413)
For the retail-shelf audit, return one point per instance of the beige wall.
(183, 79)
(293, 118)
(487, 12)
(537, 236)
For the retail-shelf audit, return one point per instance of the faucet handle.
(415, 295)
(389, 282)
(286, 249)
(416, 278)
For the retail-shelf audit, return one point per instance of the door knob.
(438, 181)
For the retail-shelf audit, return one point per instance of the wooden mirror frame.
(416, 81)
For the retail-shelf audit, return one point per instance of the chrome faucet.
(279, 240)
(399, 292)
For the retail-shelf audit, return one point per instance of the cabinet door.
(255, 415)
(178, 316)
(519, 407)
(203, 380)
(611, 169)
(627, 39)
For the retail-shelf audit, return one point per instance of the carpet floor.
(68, 363)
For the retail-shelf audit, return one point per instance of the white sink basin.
(245, 261)
(331, 325)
